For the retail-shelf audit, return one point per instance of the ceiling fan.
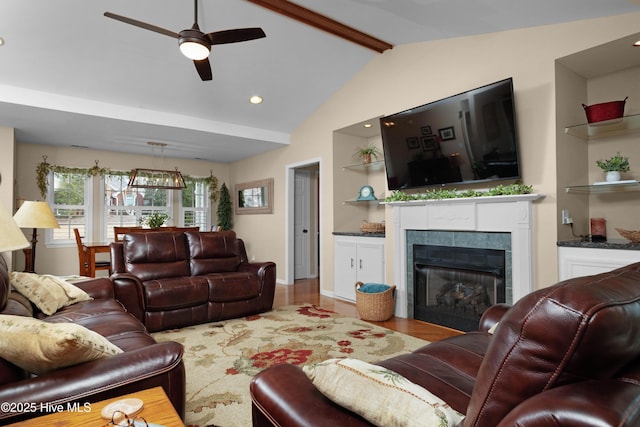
(194, 44)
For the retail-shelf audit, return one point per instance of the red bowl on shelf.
(605, 111)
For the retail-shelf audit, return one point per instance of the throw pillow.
(39, 347)
(381, 396)
(49, 293)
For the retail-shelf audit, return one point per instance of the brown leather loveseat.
(142, 364)
(175, 279)
(563, 356)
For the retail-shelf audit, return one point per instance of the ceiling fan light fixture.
(194, 44)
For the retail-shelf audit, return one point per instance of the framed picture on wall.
(447, 134)
(413, 142)
(430, 143)
(426, 130)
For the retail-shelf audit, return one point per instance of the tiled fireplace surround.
(505, 221)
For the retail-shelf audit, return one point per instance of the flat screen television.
(463, 139)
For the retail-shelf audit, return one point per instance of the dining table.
(93, 248)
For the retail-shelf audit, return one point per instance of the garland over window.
(43, 169)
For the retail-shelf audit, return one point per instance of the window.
(194, 205)
(127, 207)
(69, 194)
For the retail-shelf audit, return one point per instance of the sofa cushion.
(156, 255)
(175, 293)
(369, 390)
(40, 347)
(49, 293)
(226, 287)
(213, 252)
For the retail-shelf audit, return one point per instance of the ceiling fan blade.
(237, 35)
(204, 69)
(141, 24)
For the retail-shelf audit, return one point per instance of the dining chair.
(118, 232)
(84, 260)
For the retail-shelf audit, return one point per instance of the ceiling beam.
(321, 22)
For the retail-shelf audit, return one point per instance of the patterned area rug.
(221, 358)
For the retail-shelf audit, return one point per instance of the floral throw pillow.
(39, 347)
(49, 293)
(380, 396)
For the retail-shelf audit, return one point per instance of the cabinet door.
(371, 262)
(577, 262)
(344, 272)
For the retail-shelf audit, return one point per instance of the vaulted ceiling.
(70, 76)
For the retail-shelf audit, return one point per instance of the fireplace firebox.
(453, 286)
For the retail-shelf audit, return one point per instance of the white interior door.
(301, 225)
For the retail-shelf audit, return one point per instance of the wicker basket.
(372, 227)
(634, 236)
(376, 307)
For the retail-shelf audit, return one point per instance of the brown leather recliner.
(567, 355)
(143, 364)
(175, 279)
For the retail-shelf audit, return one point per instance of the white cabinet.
(577, 262)
(356, 259)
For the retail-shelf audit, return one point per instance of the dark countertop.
(357, 233)
(609, 244)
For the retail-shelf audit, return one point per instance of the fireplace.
(484, 218)
(453, 286)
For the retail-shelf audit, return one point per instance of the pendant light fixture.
(157, 178)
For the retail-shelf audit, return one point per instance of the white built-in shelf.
(621, 126)
(604, 188)
(366, 167)
(366, 202)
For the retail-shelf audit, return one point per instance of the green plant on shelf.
(365, 154)
(616, 163)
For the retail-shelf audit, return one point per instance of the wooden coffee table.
(157, 410)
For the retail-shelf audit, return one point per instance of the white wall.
(401, 78)
(7, 176)
(411, 75)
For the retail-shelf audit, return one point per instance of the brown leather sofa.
(142, 365)
(175, 279)
(567, 355)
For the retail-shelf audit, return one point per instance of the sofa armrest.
(593, 403)
(159, 364)
(266, 272)
(129, 291)
(97, 288)
(284, 396)
(491, 316)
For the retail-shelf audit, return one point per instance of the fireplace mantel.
(512, 214)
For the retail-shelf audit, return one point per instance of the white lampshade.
(11, 237)
(35, 215)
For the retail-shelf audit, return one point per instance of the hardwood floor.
(308, 291)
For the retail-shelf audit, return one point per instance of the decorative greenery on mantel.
(500, 190)
(43, 169)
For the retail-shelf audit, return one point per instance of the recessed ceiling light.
(256, 99)
(1, 41)
(367, 125)
(637, 43)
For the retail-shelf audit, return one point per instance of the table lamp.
(11, 237)
(35, 214)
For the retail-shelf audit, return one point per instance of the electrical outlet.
(566, 219)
